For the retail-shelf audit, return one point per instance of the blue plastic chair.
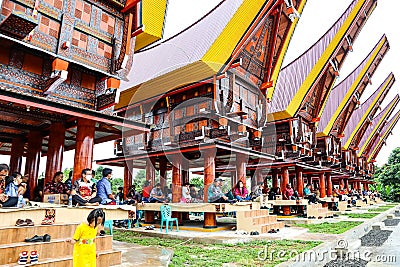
(165, 211)
(109, 224)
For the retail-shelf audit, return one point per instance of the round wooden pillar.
(151, 172)
(55, 150)
(33, 159)
(127, 179)
(17, 152)
(366, 187)
(259, 176)
(163, 171)
(342, 184)
(241, 167)
(329, 184)
(286, 210)
(346, 184)
(359, 185)
(275, 180)
(210, 219)
(84, 146)
(285, 178)
(176, 179)
(299, 181)
(322, 186)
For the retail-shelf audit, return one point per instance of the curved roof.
(341, 94)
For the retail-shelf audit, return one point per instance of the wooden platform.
(54, 253)
(63, 215)
(201, 207)
(318, 211)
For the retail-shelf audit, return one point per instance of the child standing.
(84, 239)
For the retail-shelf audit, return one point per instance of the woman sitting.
(13, 190)
(240, 192)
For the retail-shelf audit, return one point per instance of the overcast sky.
(317, 17)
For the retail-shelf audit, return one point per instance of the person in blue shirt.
(104, 187)
(309, 195)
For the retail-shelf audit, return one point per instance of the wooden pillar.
(366, 187)
(359, 185)
(17, 152)
(151, 172)
(84, 146)
(346, 184)
(55, 150)
(342, 184)
(210, 219)
(329, 184)
(285, 178)
(33, 159)
(241, 167)
(322, 186)
(127, 179)
(275, 180)
(163, 172)
(299, 181)
(234, 179)
(176, 179)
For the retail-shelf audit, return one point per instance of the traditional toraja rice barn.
(60, 68)
(300, 94)
(203, 91)
(342, 102)
(381, 140)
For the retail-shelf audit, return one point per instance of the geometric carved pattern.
(18, 24)
(79, 39)
(104, 50)
(82, 11)
(49, 26)
(107, 23)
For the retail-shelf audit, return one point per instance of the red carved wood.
(329, 184)
(322, 186)
(33, 159)
(299, 181)
(84, 146)
(55, 151)
(17, 151)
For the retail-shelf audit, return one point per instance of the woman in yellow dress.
(84, 239)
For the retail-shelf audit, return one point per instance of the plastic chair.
(165, 211)
(109, 224)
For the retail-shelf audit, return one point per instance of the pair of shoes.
(254, 233)
(273, 231)
(151, 227)
(27, 222)
(38, 238)
(102, 233)
(23, 257)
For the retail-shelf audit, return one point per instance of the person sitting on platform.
(257, 191)
(104, 188)
(342, 194)
(240, 192)
(146, 189)
(84, 190)
(308, 195)
(186, 197)
(273, 193)
(56, 186)
(13, 190)
(133, 196)
(215, 194)
(119, 196)
(289, 193)
(5, 200)
(157, 195)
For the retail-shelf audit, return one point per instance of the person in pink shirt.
(240, 192)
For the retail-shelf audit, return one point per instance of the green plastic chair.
(165, 211)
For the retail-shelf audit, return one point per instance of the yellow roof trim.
(378, 125)
(352, 89)
(279, 61)
(153, 17)
(222, 48)
(295, 103)
(361, 122)
(385, 135)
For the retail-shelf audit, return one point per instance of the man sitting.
(104, 191)
(289, 193)
(84, 190)
(215, 194)
(310, 196)
(56, 186)
(157, 195)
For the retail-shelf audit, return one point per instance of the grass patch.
(361, 215)
(206, 255)
(329, 228)
(382, 208)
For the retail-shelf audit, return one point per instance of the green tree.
(139, 180)
(98, 173)
(66, 172)
(197, 181)
(115, 183)
(388, 176)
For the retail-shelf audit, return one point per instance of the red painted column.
(285, 178)
(241, 167)
(322, 186)
(17, 152)
(33, 159)
(259, 176)
(342, 184)
(84, 146)
(329, 184)
(176, 179)
(127, 179)
(163, 172)
(210, 220)
(55, 150)
(366, 187)
(359, 185)
(275, 180)
(299, 181)
(150, 172)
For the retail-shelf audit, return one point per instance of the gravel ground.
(375, 238)
(391, 222)
(347, 263)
